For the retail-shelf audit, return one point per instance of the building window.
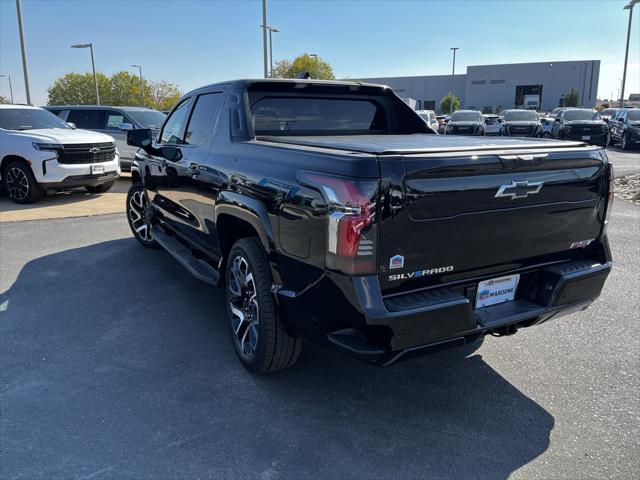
(478, 82)
(495, 82)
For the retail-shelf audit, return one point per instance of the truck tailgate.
(459, 215)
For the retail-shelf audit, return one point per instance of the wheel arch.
(238, 216)
(7, 159)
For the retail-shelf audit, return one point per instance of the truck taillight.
(610, 177)
(351, 230)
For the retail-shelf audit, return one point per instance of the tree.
(163, 95)
(4, 100)
(316, 67)
(445, 103)
(571, 99)
(121, 88)
(78, 89)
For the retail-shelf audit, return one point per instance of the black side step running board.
(198, 268)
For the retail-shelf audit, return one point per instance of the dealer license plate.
(496, 290)
(586, 137)
(97, 169)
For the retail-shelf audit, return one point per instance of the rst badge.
(397, 261)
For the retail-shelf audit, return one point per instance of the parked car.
(39, 152)
(465, 122)
(581, 124)
(329, 211)
(114, 121)
(607, 113)
(547, 126)
(521, 123)
(442, 122)
(429, 116)
(492, 124)
(624, 127)
(556, 111)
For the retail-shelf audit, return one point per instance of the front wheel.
(258, 335)
(99, 188)
(139, 215)
(624, 144)
(20, 183)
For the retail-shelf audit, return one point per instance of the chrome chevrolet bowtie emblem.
(94, 150)
(519, 189)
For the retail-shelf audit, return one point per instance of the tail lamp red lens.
(351, 232)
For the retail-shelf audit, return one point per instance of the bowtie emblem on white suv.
(94, 150)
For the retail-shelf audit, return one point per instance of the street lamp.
(271, 30)
(10, 87)
(139, 67)
(629, 7)
(23, 50)
(93, 65)
(453, 73)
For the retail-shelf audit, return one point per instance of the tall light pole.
(629, 7)
(453, 73)
(24, 53)
(10, 87)
(93, 65)
(271, 30)
(139, 67)
(264, 36)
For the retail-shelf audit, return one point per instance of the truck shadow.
(116, 363)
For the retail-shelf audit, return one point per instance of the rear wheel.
(258, 335)
(20, 183)
(139, 215)
(99, 188)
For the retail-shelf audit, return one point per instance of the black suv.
(521, 123)
(581, 124)
(624, 127)
(330, 212)
(466, 122)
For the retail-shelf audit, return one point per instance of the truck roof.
(418, 143)
(243, 83)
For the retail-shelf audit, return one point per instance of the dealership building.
(495, 87)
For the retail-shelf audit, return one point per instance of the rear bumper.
(418, 323)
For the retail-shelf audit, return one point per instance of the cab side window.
(87, 119)
(114, 119)
(203, 118)
(174, 126)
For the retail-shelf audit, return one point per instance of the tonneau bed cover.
(417, 143)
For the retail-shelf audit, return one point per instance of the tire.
(99, 188)
(139, 217)
(624, 142)
(547, 135)
(20, 183)
(258, 335)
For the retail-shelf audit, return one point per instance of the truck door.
(197, 180)
(161, 174)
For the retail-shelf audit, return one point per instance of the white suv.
(40, 152)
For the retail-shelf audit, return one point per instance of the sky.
(193, 43)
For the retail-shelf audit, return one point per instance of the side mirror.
(140, 137)
(72, 125)
(557, 120)
(125, 126)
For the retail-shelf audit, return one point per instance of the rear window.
(308, 115)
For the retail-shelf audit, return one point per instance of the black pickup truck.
(330, 212)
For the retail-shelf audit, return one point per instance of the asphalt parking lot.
(116, 363)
